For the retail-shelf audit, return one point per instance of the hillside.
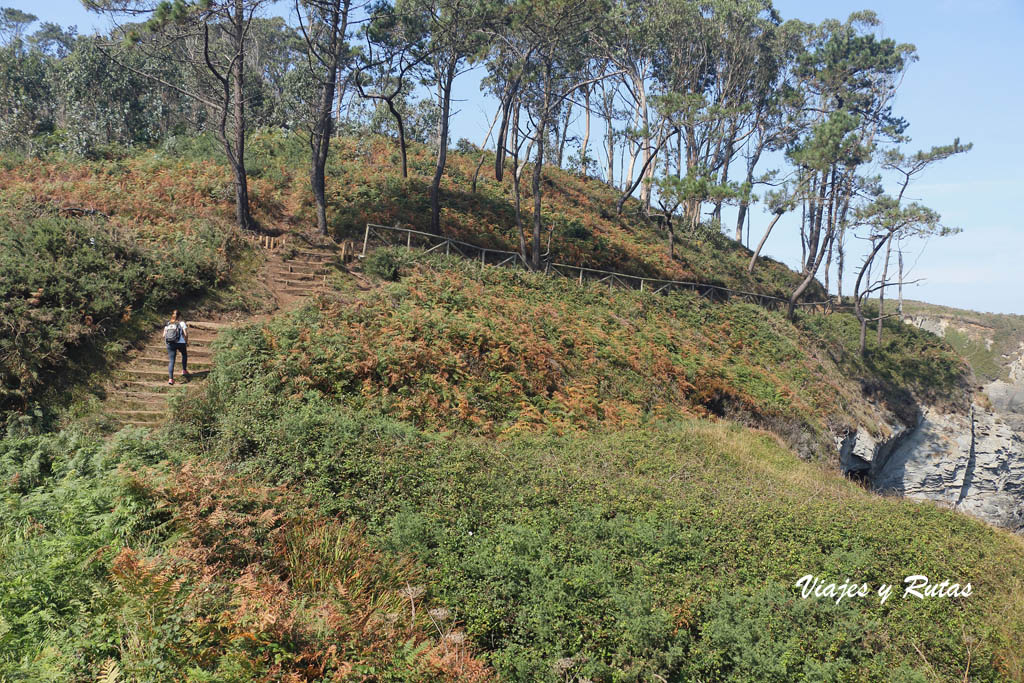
(990, 342)
(186, 181)
(993, 345)
(467, 472)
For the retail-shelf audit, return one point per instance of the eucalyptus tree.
(628, 41)
(684, 70)
(211, 40)
(773, 100)
(100, 102)
(543, 52)
(275, 83)
(324, 27)
(26, 95)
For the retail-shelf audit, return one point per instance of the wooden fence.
(383, 235)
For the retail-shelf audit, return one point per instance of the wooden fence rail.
(384, 235)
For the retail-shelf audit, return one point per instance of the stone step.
(193, 340)
(160, 350)
(292, 291)
(151, 373)
(139, 415)
(135, 396)
(120, 408)
(300, 266)
(300, 284)
(287, 275)
(192, 362)
(306, 255)
(158, 388)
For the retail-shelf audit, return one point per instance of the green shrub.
(386, 264)
(65, 283)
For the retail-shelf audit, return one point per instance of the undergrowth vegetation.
(114, 558)
(668, 549)
(186, 179)
(67, 284)
(452, 346)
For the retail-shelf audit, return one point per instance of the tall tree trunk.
(320, 136)
(565, 133)
(515, 185)
(899, 308)
(643, 172)
(858, 297)
(744, 204)
(508, 98)
(538, 169)
(645, 187)
(803, 233)
(586, 132)
(881, 292)
(483, 152)
(402, 146)
(817, 214)
(840, 261)
(242, 215)
(760, 245)
(442, 148)
(727, 153)
(610, 144)
(811, 271)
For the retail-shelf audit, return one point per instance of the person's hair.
(174, 315)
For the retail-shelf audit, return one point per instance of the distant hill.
(991, 342)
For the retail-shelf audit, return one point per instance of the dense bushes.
(664, 550)
(651, 544)
(496, 351)
(113, 559)
(65, 282)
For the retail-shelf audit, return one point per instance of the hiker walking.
(176, 338)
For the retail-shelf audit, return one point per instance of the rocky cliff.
(972, 461)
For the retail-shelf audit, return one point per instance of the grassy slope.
(158, 190)
(604, 534)
(622, 538)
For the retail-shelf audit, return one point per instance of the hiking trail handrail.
(580, 273)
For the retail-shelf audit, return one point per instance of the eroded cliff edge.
(970, 460)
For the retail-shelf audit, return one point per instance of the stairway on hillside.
(138, 393)
(303, 274)
(139, 390)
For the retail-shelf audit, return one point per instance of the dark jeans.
(172, 352)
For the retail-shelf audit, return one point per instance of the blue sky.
(967, 84)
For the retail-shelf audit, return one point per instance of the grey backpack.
(172, 333)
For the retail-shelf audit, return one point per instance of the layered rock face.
(1007, 396)
(973, 463)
